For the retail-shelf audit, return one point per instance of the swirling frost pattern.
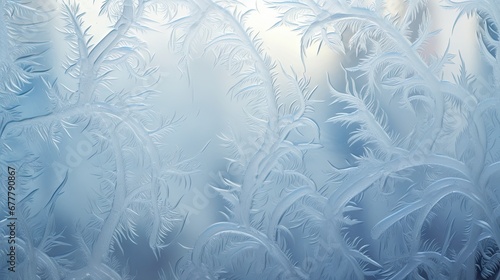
(266, 139)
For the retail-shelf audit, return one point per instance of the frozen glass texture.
(264, 139)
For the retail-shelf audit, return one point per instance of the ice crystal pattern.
(369, 152)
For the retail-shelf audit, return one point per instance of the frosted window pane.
(204, 139)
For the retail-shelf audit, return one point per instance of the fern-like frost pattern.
(267, 139)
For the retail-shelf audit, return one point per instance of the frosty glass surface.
(278, 139)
